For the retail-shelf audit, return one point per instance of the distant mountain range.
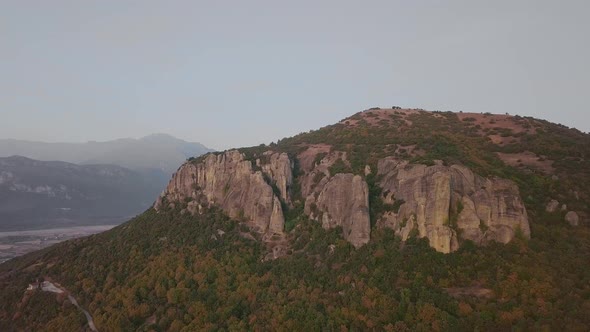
(71, 184)
(156, 152)
(37, 194)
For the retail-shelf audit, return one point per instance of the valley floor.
(17, 243)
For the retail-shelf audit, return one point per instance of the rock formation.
(279, 169)
(552, 206)
(441, 202)
(343, 201)
(229, 181)
(572, 218)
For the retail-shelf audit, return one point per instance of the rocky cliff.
(342, 201)
(232, 183)
(442, 203)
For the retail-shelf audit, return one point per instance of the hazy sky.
(248, 72)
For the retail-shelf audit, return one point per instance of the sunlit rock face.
(444, 203)
(230, 182)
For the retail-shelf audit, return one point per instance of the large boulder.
(552, 206)
(572, 218)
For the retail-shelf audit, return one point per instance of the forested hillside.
(205, 272)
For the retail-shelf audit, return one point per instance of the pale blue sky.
(237, 73)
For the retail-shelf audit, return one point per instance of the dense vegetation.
(169, 271)
(179, 270)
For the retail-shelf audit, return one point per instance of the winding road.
(88, 317)
(48, 286)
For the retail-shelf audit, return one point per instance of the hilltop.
(546, 160)
(391, 219)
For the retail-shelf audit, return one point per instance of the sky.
(241, 73)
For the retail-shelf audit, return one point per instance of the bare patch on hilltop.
(527, 159)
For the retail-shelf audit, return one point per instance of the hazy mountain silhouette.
(85, 183)
(36, 194)
(154, 152)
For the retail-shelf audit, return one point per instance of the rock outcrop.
(444, 204)
(552, 206)
(279, 168)
(441, 202)
(318, 174)
(572, 218)
(230, 182)
(343, 201)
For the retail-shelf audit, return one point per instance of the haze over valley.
(92, 184)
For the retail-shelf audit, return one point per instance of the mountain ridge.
(49, 194)
(157, 151)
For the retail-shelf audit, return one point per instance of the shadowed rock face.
(439, 201)
(229, 182)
